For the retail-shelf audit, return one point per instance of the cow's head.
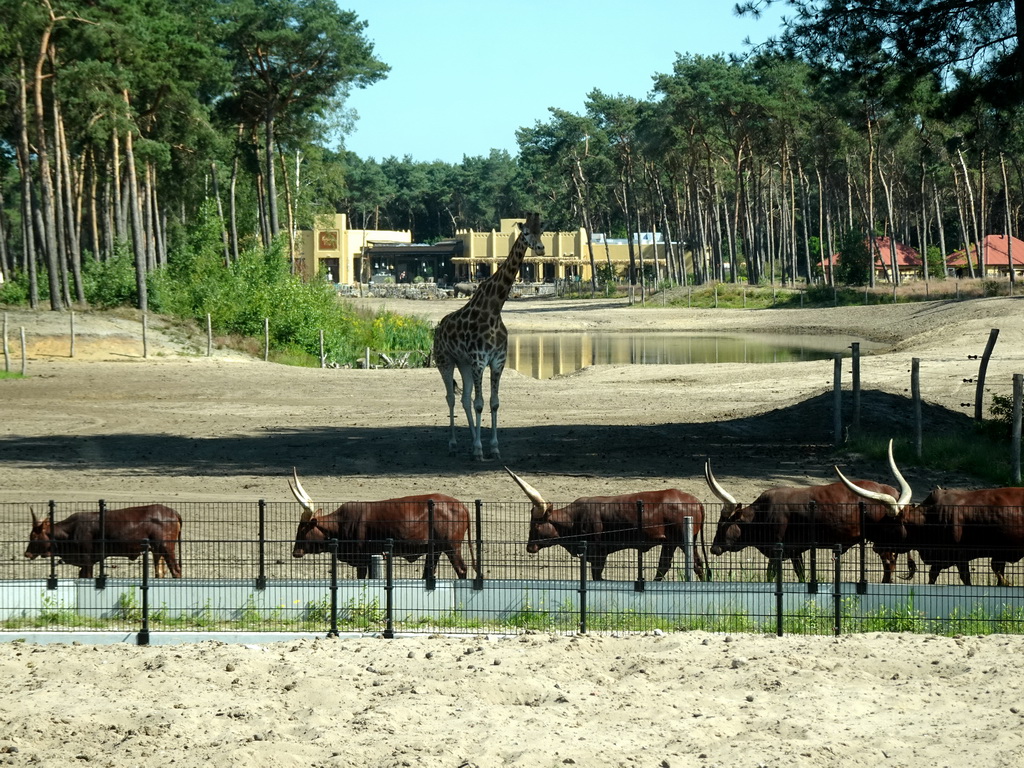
(39, 540)
(729, 534)
(543, 532)
(895, 507)
(310, 538)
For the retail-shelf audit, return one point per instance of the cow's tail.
(911, 568)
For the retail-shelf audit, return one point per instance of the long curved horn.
(716, 489)
(895, 506)
(302, 497)
(905, 492)
(539, 505)
(881, 498)
(35, 520)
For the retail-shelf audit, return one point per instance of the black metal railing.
(239, 575)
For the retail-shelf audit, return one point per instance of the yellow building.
(470, 255)
(334, 249)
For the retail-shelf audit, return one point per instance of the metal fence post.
(389, 590)
(478, 580)
(688, 546)
(779, 557)
(101, 580)
(638, 585)
(812, 585)
(51, 580)
(261, 576)
(862, 583)
(429, 569)
(143, 636)
(333, 630)
(583, 587)
(837, 591)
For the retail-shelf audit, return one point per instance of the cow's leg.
(999, 569)
(430, 564)
(698, 566)
(597, 563)
(665, 561)
(798, 567)
(171, 561)
(964, 567)
(85, 572)
(933, 573)
(458, 564)
(888, 566)
(159, 565)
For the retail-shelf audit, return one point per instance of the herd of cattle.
(948, 528)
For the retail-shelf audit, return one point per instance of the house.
(997, 251)
(908, 261)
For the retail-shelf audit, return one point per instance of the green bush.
(110, 283)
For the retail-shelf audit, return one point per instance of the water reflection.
(543, 355)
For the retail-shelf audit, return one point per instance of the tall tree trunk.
(225, 240)
(271, 191)
(135, 215)
(48, 218)
(1009, 221)
(70, 228)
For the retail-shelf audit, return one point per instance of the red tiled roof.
(906, 257)
(995, 249)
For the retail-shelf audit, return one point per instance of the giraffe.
(473, 338)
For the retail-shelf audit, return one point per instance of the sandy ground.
(178, 425)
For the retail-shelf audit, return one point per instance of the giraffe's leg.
(478, 411)
(470, 384)
(448, 377)
(496, 371)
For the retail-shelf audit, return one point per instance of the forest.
(129, 125)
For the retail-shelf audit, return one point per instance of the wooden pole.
(1018, 389)
(209, 335)
(7, 351)
(24, 351)
(837, 399)
(915, 391)
(979, 391)
(323, 359)
(855, 357)
(266, 339)
(145, 335)
(72, 333)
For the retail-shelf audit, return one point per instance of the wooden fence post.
(24, 351)
(1018, 389)
(209, 335)
(7, 352)
(855, 358)
(72, 333)
(837, 399)
(145, 335)
(979, 392)
(915, 392)
(266, 339)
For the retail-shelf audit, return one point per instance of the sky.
(465, 74)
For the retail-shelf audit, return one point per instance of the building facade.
(333, 249)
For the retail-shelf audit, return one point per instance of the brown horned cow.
(361, 527)
(78, 540)
(799, 516)
(609, 524)
(951, 527)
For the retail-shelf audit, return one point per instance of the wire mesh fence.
(239, 572)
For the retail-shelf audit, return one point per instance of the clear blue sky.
(466, 74)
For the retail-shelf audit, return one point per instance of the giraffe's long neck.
(494, 290)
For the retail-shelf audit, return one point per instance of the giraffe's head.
(531, 232)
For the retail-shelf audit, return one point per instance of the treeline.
(123, 118)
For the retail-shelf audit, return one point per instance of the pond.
(543, 355)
